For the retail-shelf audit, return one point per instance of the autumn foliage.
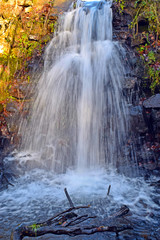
(25, 28)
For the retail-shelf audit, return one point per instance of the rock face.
(151, 112)
(144, 114)
(152, 102)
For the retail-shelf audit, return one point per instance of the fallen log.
(37, 230)
(68, 223)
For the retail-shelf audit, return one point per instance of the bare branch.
(109, 188)
(64, 223)
(79, 220)
(49, 221)
(23, 231)
(69, 199)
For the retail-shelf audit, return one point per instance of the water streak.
(80, 116)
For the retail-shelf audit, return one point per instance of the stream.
(38, 194)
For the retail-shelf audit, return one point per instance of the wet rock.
(122, 35)
(135, 110)
(152, 119)
(151, 113)
(158, 50)
(30, 164)
(4, 150)
(13, 123)
(4, 180)
(33, 38)
(152, 102)
(53, 17)
(150, 165)
(135, 42)
(11, 107)
(121, 21)
(128, 41)
(9, 126)
(1, 108)
(16, 93)
(130, 83)
(16, 139)
(137, 121)
(4, 142)
(130, 88)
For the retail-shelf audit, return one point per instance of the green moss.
(21, 48)
(147, 11)
(35, 227)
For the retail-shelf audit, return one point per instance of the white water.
(79, 116)
(38, 195)
(37, 186)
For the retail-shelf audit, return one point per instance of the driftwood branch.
(121, 212)
(69, 199)
(62, 214)
(64, 223)
(68, 223)
(109, 188)
(79, 220)
(23, 231)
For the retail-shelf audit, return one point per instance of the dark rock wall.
(144, 108)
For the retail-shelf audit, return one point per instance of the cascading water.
(79, 121)
(80, 116)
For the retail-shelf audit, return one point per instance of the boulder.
(152, 102)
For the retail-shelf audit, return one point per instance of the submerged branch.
(23, 231)
(68, 197)
(53, 219)
(109, 188)
(64, 223)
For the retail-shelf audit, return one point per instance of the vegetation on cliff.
(25, 27)
(145, 28)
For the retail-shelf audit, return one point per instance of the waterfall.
(79, 118)
(76, 137)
